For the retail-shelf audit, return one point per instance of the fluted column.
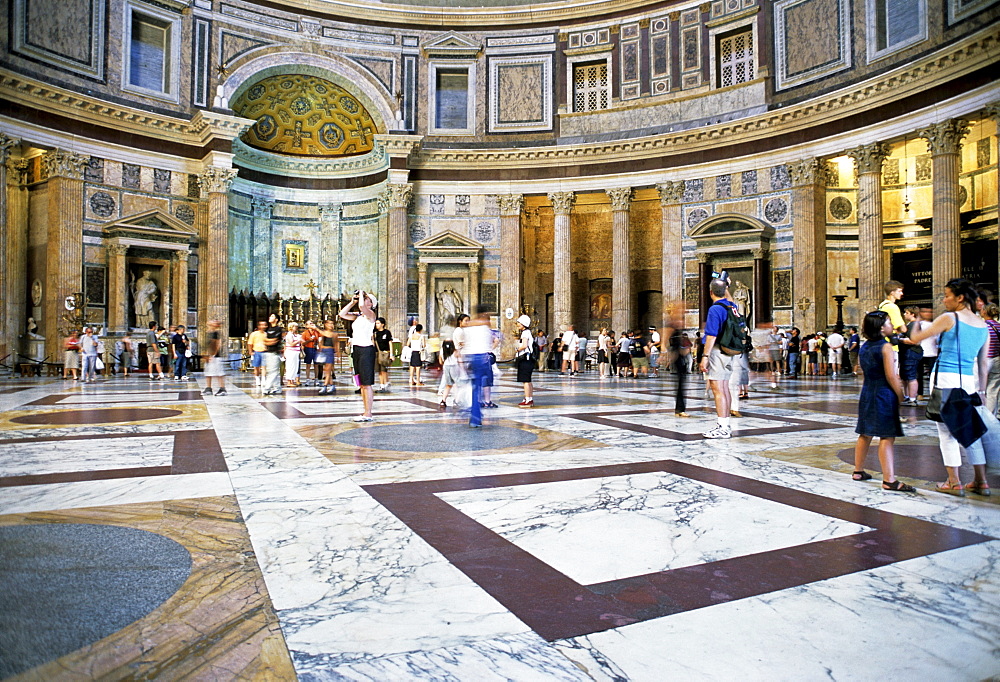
(562, 204)
(423, 314)
(397, 201)
(671, 260)
(473, 286)
(10, 185)
(118, 288)
(213, 258)
(993, 111)
(179, 284)
(761, 286)
(944, 142)
(868, 161)
(621, 258)
(64, 247)
(809, 241)
(529, 292)
(704, 280)
(261, 245)
(511, 262)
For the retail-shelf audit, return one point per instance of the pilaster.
(213, 257)
(562, 317)
(7, 227)
(944, 142)
(809, 240)
(330, 277)
(511, 268)
(179, 278)
(64, 247)
(397, 200)
(118, 287)
(671, 260)
(261, 245)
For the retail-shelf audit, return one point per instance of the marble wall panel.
(812, 39)
(112, 173)
(745, 207)
(646, 221)
(240, 252)
(137, 203)
(297, 211)
(67, 34)
(360, 259)
(146, 181)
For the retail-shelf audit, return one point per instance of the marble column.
(671, 258)
(993, 111)
(621, 258)
(118, 288)
(704, 279)
(868, 161)
(423, 313)
(761, 287)
(473, 286)
(944, 142)
(13, 243)
(562, 280)
(511, 269)
(64, 246)
(809, 242)
(330, 276)
(179, 285)
(398, 197)
(213, 256)
(529, 227)
(261, 245)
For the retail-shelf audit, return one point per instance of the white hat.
(370, 296)
(524, 321)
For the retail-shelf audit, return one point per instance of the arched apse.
(372, 94)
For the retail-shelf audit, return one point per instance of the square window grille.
(590, 87)
(736, 59)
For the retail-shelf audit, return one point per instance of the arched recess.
(372, 94)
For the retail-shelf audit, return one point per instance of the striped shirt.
(994, 328)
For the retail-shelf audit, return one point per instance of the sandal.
(443, 405)
(898, 486)
(861, 476)
(951, 488)
(978, 488)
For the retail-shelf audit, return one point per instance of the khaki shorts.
(153, 358)
(640, 362)
(720, 366)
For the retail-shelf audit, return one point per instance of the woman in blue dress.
(878, 407)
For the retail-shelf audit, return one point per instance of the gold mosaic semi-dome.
(305, 116)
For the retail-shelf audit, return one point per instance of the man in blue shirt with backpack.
(716, 364)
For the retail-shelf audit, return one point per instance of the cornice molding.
(203, 126)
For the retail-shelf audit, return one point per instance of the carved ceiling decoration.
(305, 116)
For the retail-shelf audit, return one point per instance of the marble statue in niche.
(145, 293)
(741, 295)
(449, 305)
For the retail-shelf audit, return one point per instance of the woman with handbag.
(962, 367)
(416, 345)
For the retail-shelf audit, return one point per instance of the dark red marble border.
(194, 452)
(58, 398)
(796, 424)
(557, 607)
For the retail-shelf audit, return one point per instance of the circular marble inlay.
(775, 210)
(432, 437)
(66, 586)
(108, 416)
(696, 215)
(840, 208)
(102, 204)
(185, 213)
(547, 400)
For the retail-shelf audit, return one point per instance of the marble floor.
(148, 531)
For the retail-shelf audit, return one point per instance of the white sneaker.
(363, 418)
(719, 432)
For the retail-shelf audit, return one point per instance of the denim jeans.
(793, 363)
(479, 364)
(89, 366)
(180, 366)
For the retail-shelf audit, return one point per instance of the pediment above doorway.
(732, 232)
(447, 245)
(150, 228)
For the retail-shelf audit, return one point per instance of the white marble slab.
(596, 530)
(51, 457)
(35, 498)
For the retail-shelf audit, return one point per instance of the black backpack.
(734, 337)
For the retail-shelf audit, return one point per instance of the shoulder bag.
(955, 407)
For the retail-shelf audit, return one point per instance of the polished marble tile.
(85, 455)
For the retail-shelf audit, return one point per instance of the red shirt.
(309, 338)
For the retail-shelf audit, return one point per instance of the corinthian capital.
(180, 256)
(805, 172)
(992, 111)
(118, 250)
(562, 202)
(868, 158)
(261, 207)
(510, 204)
(6, 144)
(671, 192)
(17, 172)
(621, 198)
(214, 179)
(945, 137)
(59, 162)
(399, 195)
